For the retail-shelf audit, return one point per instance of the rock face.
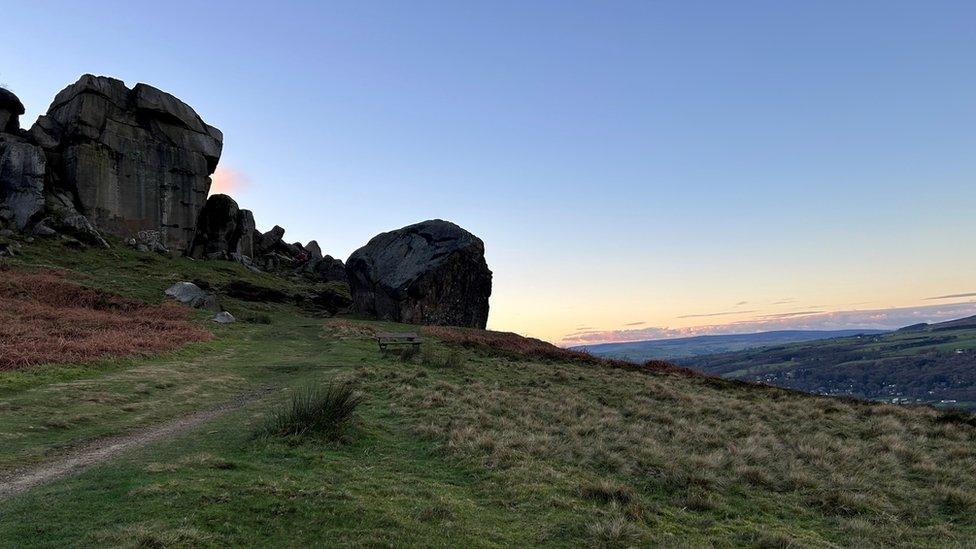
(22, 168)
(132, 160)
(433, 272)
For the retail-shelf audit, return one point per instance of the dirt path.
(104, 449)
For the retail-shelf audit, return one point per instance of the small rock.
(223, 317)
(40, 229)
(142, 248)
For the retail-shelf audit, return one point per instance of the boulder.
(22, 168)
(133, 160)
(314, 251)
(223, 317)
(190, 294)
(217, 233)
(10, 110)
(245, 229)
(268, 242)
(432, 272)
(330, 269)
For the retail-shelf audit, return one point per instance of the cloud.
(741, 303)
(723, 313)
(585, 328)
(641, 323)
(879, 319)
(784, 301)
(788, 315)
(227, 180)
(951, 296)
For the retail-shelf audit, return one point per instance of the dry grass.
(44, 318)
(686, 446)
(528, 347)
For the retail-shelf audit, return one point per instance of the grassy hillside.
(478, 440)
(685, 347)
(930, 364)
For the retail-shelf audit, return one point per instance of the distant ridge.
(684, 347)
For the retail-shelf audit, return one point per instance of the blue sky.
(625, 162)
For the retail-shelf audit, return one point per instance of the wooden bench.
(387, 339)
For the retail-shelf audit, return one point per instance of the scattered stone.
(223, 317)
(192, 295)
(41, 229)
(432, 272)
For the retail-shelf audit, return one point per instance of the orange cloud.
(227, 180)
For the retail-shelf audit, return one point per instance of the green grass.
(462, 447)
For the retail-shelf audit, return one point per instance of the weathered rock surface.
(245, 230)
(22, 168)
(217, 235)
(190, 294)
(10, 110)
(223, 317)
(432, 272)
(330, 269)
(133, 160)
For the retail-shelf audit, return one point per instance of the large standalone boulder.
(133, 160)
(433, 272)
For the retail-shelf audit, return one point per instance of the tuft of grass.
(314, 410)
(607, 491)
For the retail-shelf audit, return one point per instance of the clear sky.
(636, 169)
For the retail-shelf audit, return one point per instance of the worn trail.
(102, 450)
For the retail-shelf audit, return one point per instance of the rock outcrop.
(22, 168)
(10, 110)
(130, 160)
(433, 272)
(224, 231)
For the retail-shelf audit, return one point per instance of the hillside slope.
(921, 364)
(481, 439)
(684, 347)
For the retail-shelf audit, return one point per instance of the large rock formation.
(22, 168)
(131, 160)
(433, 272)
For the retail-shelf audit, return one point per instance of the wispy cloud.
(227, 180)
(784, 301)
(584, 328)
(741, 303)
(881, 319)
(951, 296)
(641, 323)
(788, 315)
(723, 313)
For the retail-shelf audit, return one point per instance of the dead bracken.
(44, 318)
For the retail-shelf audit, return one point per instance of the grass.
(495, 447)
(314, 410)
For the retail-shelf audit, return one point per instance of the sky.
(636, 169)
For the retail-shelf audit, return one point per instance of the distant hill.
(923, 363)
(684, 347)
